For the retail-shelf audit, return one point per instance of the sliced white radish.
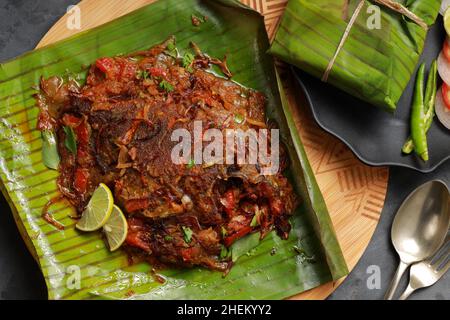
(444, 68)
(442, 111)
(445, 4)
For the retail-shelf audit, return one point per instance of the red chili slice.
(228, 241)
(188, 253)
(134, 240)
(82, 134)
(116, 68)
(81, 180)
(71, 120)
(109, 67)
(446, 94)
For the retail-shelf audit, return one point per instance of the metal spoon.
(420, 227)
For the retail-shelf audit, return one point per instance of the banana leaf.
(376, 61)
(270, 269)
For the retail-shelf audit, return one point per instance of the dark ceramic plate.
(376, 136)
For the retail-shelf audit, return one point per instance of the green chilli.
(430, 100)
(418, 131)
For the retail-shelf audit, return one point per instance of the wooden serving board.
(354, 192)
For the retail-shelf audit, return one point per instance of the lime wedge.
(98, 210)
(447, 21)
(116, 229)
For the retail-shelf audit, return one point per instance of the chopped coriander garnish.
(171, 46)
(239, 118)
(171, 50)
(190, 164)
(187, 234)
(71, 141)
(224, 232)
(187, 60)
(166, 86)
(168, 238)
(142, 74)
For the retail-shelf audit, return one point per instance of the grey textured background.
(22, 24)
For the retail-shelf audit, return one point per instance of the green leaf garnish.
(166, 86)
(224, 232)
(190, 164)
(71, 141)
(187, 234)
(187, 60)
(168, 238)
(255, 219)
(239, 118)
(224, 253)
(50, 155)
(142, 74)
(171, 46)
(171, 50)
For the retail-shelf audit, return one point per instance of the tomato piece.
(188, 253)
(137, 234)
(157, 72)
(228, 241)
(116, 68)
(81, 180)
(109, 67)
(71, 120)
(446, 94)
(82, 133)
(136, 204)
(128, 70)
(446, 50)
(83, 157)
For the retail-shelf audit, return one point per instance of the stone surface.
(22, 24)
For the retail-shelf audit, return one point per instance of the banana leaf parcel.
(379, 55)
(79, 265)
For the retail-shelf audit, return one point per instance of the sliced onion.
(444, 68)
(445, 4)
(442, 111)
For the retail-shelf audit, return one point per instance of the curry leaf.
(224, 253)
(187, 234)
(50, 155)
(71, 141)
(255, 219)
(166, 86)
(188, 59)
